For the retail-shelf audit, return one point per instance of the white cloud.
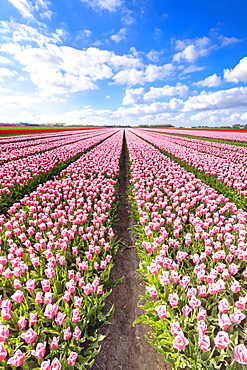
(4, 60)
(243, 116)
(24, 7)
(88, 116)
(199, 43)
(157, 33)
(137, 96)
(22, 33)
(159, 92)
(225, 41)
(120, 35)
(134, 52)
(220, 117)
(130, 77)
(202, 116)
(83, 34)
(46, 14)
(149, 74)
(110, 5)
(5, 72)
(17, 101)
(223, 99)
(27, 7)
(155, 108)
(154, 55)
(191, 69)
(191, 53)
(211, 81)
(127, 18)
(133, 96)
(191, 50)
(59, 70)
(238, 73)
(4, 90)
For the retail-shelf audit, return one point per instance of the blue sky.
(123, 62)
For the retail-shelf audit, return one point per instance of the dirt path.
(125, 346)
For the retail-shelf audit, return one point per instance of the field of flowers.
(56, 251)
(226, 162)
(6, 130)
(14, 150)
(231, 134)
(192, 244)
(57, 247)
(30, 170)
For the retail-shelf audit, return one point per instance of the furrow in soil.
(125, 346)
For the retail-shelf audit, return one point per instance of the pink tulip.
(223, 305)
(29, 336)
(45, 285)
(18, 296)
(180, 341)
(55, 342)
(201, 327)
(17, 359)
(33, 319)
(175, 328)
(22, 322)
(224, 321)
(173, 299)
(3, 352)
(240, 354)
(72, 358)
(59, 319)
(40, 350)
(4, 333)
(221, 340)
(204, 343)
(66, 333)
(45, 365)
(161, 311)
(237, 316)
(77, 333)
(55, 365)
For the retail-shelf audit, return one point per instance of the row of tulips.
(16, 142)
(218, 149)
(55, 259)
(14, 151)
(20, 172)
(233, 135)
(22, 138)
(192, 245)
(25, 131)
(228, 167)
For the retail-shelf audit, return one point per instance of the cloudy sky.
(123, 62)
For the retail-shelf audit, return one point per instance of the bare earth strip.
(125, 346)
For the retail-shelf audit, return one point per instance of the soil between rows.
(125, 346)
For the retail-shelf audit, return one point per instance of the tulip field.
(58, 200)
(56, 251)
(228, 134)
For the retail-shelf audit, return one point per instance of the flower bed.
(231, 134)
(56, 255)
(17, 177)
(16, 150)
(192, 244)
(227, 165)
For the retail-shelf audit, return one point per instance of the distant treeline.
(155, 126)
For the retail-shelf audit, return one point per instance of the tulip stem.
(212, 352)
(232, 363)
